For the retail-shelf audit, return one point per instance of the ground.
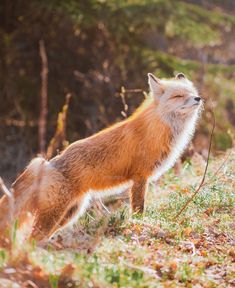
(110, 248)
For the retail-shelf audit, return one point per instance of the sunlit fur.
(177, 106)
(124, 156)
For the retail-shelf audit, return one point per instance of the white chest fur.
(181, 138)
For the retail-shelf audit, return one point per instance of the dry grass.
(108, 248)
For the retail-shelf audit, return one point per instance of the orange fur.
(125, 154)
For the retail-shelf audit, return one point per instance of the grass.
(113, 249)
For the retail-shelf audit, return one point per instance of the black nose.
(197, 98)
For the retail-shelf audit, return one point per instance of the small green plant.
(3, 257)
(53, 280)
(14, 231)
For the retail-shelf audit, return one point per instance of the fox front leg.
(137, 196)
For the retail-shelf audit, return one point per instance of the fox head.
(176, 96)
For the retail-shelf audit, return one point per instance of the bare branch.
(218, 170)
(59, 139)
(105, 208)
(9, 204)
(125, 106)
(204, 174)
(123, 93)
(5, 189)
(10, 197)
(43, 98)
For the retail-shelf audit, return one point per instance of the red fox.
(129, 154)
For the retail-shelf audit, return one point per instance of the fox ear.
(154, 85)
(180, 76)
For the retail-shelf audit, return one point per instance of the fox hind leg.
(57, 217)
(52, 201)
(46, 222)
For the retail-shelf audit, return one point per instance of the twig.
(125, 106)
(122, 94)
(10, 198)
(59, 139)
(43, 98)
(218, 170)
(5, 189)
(204, 174)
(89, 215)
(133, 91)
(10, 212)
(19, 123)
(105, 208)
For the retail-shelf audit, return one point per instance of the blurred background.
(93, 48)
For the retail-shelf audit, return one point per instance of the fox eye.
(177, 96)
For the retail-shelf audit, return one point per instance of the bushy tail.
(24, 191)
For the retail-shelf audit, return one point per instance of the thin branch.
(218, 170)
(105, 208)
(125, 106)
(5, 189)
(10, 211)
(133, 91)
(59, 139)
(10, 197)
(19, 123)
(204, 174)
(43, 98)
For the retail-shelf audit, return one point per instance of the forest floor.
(109, 248)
